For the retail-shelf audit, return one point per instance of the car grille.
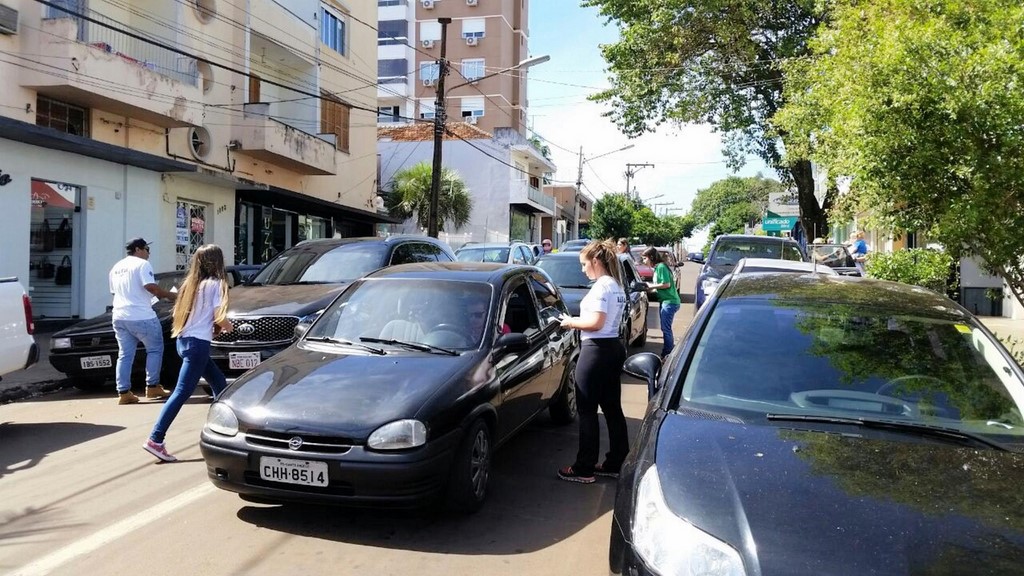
(266, 329)
(317, 444)
(94, 341)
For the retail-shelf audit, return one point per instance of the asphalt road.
(80, 496)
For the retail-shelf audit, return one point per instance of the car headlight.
(398, 435)
(222, 420)
(671, 545)
(709, 285)
(56, 343)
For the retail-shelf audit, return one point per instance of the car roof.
(493, 245)
(755, 238)
(574, 254)
(357, 239)
(781, 266)
(490, 272)
(838, 289)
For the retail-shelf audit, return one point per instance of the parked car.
(297, 284)
(835, 256)
(87, 351)
(564, 269)
(767, 265)
(697, 257)
(503, 252)
(574, 245)
(647, 272)
(18, 348)
(728, 249)
(817, 424)
(400, 391)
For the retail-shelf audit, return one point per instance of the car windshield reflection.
(310, 265)
(433, 313)
(565, 272)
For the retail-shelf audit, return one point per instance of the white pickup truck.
(18, 348)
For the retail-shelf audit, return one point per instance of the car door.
(521, 374)
(560, 341)
(636, 308)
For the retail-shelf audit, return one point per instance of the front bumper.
(221, 355)
(358, 477)
(622, 557)
(69, 361)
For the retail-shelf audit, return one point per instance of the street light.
(579, 186)
(524, 64)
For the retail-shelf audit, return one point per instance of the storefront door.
(190, 232)
(54, 250)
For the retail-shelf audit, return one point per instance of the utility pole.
(576, 200)
(439, 118)
(630, 172)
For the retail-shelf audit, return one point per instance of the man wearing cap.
(133, 287)
(546, 246)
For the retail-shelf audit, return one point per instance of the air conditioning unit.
(427, 43)
(471, 2)
(472, 41)
(427, 4)
(8, 20)
(428, 82)
(470, 119)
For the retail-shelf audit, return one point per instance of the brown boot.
(157, 392)
(127, 398)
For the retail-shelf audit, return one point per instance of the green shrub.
(919, 266)
(1016, 348)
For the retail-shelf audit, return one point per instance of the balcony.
(86, 64)
(263, 137)
(531, 198)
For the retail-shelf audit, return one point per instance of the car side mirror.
(638, 286)
(512, 343)
(644, 366)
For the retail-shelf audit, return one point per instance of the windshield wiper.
(896, 425)
(414, 345)
(377, 351)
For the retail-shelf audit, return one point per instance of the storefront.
(55, 209)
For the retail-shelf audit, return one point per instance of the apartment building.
(485, 36)
(249, 124)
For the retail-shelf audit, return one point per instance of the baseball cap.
(136, 243)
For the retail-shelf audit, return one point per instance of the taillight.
(29, 324)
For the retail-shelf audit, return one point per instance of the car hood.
(104, 322)
(717, 271)
(319, 389)
(815, 503)
(292, 300)
(572, 298)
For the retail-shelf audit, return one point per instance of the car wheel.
(471, 470)
(88, 384)
(563, 406)
(641, 340)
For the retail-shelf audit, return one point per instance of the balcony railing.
(535, 195)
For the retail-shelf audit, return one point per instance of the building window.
(428, 72)
(392, 32)
(388, 114)
(430, 31)
(381, 3)
(62, 116)
(392, 68)
(334, 119)
(332, 30)
(473, 27)
(472, 68)
(473, 107)
(427, 109)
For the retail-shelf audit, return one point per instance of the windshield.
(482, 254)
(310, 264)
(758, 357)
(445, 313)
(833, 256)
(729, 251)
(565, 272)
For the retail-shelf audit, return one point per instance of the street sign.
(778, 223)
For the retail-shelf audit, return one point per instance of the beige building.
(559, 228)
(249, 124)
(485, 36)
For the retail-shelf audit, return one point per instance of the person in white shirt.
(133, 287)
(199, 313)
(599, 365)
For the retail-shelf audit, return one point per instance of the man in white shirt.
(133, 287)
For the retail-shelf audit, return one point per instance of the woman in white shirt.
(200, 311)
(599, 366)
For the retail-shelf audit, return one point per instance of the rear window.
(832, 256)
(482, 255)
(729, 251)
(565, 272)
(314, 265)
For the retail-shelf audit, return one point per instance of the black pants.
(599, 383)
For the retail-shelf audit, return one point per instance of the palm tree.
(410, 195)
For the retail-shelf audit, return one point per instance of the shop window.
(62, 116)
(52, 249)
(190, 232)
(334, 119)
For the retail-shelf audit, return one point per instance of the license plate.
(305, 472)
(90, 362)
(243, 360)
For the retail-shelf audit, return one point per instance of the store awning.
(45, 196)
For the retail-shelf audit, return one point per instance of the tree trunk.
(813, 218)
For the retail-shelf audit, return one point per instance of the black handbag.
(63, 274)
(47, 235)
(46, 268)
(62, 236)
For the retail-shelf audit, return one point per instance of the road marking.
(48, 563)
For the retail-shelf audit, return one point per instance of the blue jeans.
(195, 363)
(129, 333)
(668, 312)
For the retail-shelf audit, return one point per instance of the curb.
(21, 392)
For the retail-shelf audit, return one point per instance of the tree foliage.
(618, 216)
(410, 196)
(715, 62)
(919, 266)
(731, 204)
(919, 102)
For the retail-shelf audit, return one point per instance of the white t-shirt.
(604, 296)
(128, 280)
(200, 321)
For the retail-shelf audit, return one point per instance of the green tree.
(612, 217)
(716, 62)
(919, 102)
(410, 196)
(730, 204)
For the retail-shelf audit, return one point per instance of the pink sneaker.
(159, 451)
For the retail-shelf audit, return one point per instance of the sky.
(686, 158)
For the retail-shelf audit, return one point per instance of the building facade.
(249, 124)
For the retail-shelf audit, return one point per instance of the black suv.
(299, 283)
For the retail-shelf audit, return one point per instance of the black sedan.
(564, 268)
(87, 351)
(822, 424)
(399, 392)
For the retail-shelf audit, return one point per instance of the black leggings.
(598, 383)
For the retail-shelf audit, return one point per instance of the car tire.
(563, 407)
(87, 383)
(467, 487)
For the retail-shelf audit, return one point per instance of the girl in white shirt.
(599, 366)
(200, 311)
